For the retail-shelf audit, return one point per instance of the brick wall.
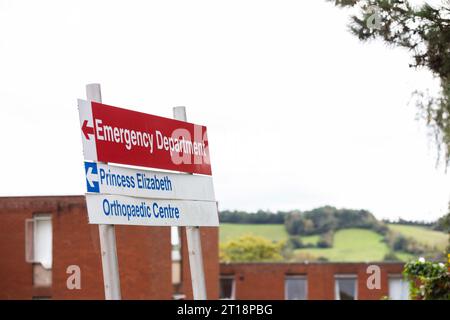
(144, 253)
(266, 280)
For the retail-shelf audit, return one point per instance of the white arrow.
(91, 177)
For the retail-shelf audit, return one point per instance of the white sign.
(108, 179)
(124, 210)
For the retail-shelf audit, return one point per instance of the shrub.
(322, 259)
(391, 256)
(428, 280)
(250, 248)
(326, 240)
(295, 242)
(398, 242)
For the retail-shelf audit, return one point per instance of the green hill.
(431, 238)
(274, 232)
(351, 245)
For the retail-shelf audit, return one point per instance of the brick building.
(40, 237)
(54, 230)
(310, 281)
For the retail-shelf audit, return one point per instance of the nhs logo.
(90, 168)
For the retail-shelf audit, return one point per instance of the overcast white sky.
(299, 113)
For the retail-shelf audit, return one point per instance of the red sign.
(117, 135)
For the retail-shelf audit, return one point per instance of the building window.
(227, 287)
(398, 288)
(296, 288)
(345, 287)
(39, 248)
(176, 255)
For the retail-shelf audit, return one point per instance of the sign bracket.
(193, 241)
(107, 233)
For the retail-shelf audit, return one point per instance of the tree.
(250, 248)
(324, 219)
(425, 32)
(326, 240)
(443, 224)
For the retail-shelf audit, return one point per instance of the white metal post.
(107, 232)
(193, 241)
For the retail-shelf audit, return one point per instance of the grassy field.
(310, 239)
(352, 245)
(274, 232)
(405, 256)
(423, 235)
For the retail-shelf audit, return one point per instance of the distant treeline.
(327, 218)
(410, 222)
(316, 221)
(442, 224)
(259, 217)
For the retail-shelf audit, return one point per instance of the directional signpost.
(117, 135)
(135, 196)
(109, 179)
(112, 209)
